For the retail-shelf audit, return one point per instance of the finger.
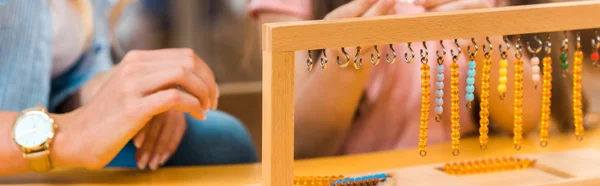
(165, 137)
(139, 138)
(432, 3)
(161, 79)
(183, 56)
(165, 100)
(460, 5)
(176, 137)
(351, 9)
(143, 155)
(382, 7)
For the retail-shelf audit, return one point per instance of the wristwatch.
(33, 132)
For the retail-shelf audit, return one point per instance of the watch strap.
(39, 161)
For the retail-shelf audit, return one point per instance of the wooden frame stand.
(281, 40)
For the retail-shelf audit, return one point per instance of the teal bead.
(564, 57)
(564, 65)
(470, 96)
(470, 88)
(472, 65)
(440, 77)
(471, 73)
(470, 80)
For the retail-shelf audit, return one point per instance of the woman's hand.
(450, 5)
(139, 88)
(159, 139)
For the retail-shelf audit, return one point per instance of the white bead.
(535, 69)
(440, 85)
(535, 61)
(439, 109)
(536, 77)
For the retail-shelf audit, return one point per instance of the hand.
(137, 90)
(159, 139)
(451, 5)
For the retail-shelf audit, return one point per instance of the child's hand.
(450, 5)
(362, 8)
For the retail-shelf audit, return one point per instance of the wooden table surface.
(354, 164)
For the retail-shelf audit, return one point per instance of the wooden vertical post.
(278, 118)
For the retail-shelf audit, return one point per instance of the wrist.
(63, 151)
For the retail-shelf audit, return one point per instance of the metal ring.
(483, 146)
(517, 146)
(423, 153)
(579, 137)
(438, 117)
(324, 59)
(343, 65)
(548, 47)
(565, 44)
(538, 49)
(543, 143)
(373, 60)
(455, 152)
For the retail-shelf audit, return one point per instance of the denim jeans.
(220, 139)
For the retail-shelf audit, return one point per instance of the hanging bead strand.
(577, 95)
(595, 56)
(546, 94)
(535, 61)
(564, 57)
(502, 79)
(518, 104)
(454, 99)
(470, 88)
(439, 93)
(484, 113)
(425, 102)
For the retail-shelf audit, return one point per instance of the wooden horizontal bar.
(310, 35)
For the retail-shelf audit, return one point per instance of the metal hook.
(343, 65)
(309, 62)
(565, 43)
(548, 48)
(503, 53)
(487, 53)
(472, 54)
(373, 60)
(412, 55)
(440, 58)
(424, 54)
(455, 56)
(357, 65)
(538, 49)
(578, 41)
(393, 55)
(518, 49)
(324, 59)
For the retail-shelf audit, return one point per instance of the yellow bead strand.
(577, 96)
(454, 107)
(484, 113)
(503, 77)
(518, 105)
(488, 165)
(425, 103)
(546, 96)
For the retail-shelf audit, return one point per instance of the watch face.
(33, 129)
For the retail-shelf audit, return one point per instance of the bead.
(440, 68)
(439, 85)
(564, 65)
(595, 56)
(472, 64)
(535, 61)
(503, 72)
(503, 63)
(563, 57)
(471, 72)
(535, 77)
(470, 96)
(439, 101)
(535, 69)
(439, 93)
(502, 80)
(439, 110)
(470, 88)
(440, 77)
(470, 80)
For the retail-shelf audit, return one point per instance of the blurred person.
(77, 110)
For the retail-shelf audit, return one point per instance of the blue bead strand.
(470, 83)
(369, 179)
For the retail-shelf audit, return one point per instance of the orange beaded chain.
(546, 95)
(518, 105)
(425, 102)
(454, 108)
(484, 113)
(487, 165)
(316, 181)
(577, 107)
